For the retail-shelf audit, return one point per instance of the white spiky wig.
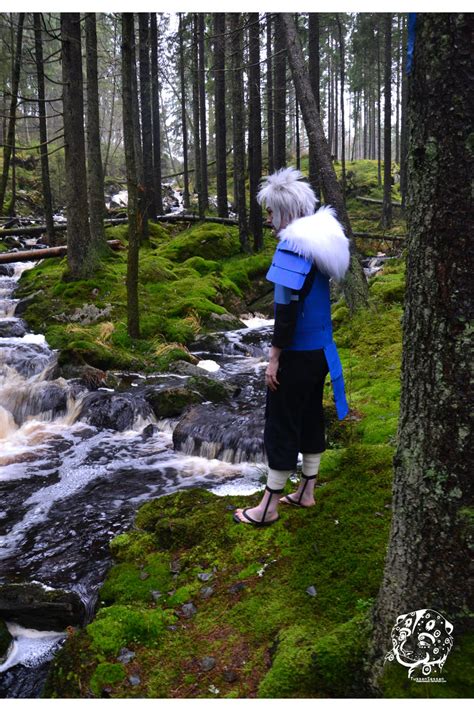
(287, 195)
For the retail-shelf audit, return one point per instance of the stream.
(67, 486)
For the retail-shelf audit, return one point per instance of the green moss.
(106, 674)
(208, 241)
(120, 625)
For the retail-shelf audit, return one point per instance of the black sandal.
(251, 520)
(287, 498)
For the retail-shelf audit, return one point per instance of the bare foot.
(306, 501)
(256, 514)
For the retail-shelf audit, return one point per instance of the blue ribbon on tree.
(411, 40)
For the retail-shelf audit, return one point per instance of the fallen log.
(41, 229)
(375, 201)
(381, 238)
(32, 255)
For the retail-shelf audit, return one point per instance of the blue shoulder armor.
(288, 268)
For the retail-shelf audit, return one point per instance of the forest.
(135, 320)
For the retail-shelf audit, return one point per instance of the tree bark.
(142, 219)
(379, 112)
(220, 104)
(155, 110)
(95, 174)
(45, 180)
(403, 127)
(279, 97)
(82, 253)
(343, 125)
(145, 106)
(238, 126)
(269, 96)
(255, 131)
(202, 111)
(8, 147)
(196, 117)
(387, 147)
(184, 127)
(355, 283)
(315, 81)
(428, 559)
(128, 69)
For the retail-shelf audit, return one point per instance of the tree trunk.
(128, 69)
(255, 131)
(238, 125)
(8, 147)
(397, 108)
(379, 113)
(269, 95)
(202, 111)
(315, 81)
(336, 105)
(112, 105)
(184, 128)
(155, 109)
(142, 219)
(343, 125)
(428, 559)
(387, 147)
(145, 106)
(279, 97)
(81, 254)
(220, 103)
(403, 127)
(45, 181)
(196, 116)
(95, 175)
(355, 283)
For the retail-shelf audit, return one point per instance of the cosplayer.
(312, 248)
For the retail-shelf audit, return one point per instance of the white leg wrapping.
(277, 478)
(311, 464)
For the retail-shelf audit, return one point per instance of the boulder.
(223, 322)
(23, 304)
(35, 606)
(12, 328)
(113, 411)
(7, 270)
(5, 641)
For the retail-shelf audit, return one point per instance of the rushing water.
(67, 487)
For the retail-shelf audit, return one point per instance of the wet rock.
(134, 680)
(204, 577)
(37, 398)
(169, 401)
(223, 322)
(126, 655)
(188, 610)
(12, 328)
(26, 358)
(32, 605)
(5, 641)
(230, 675)
(237, 587)
(182, 367)
(149, 431)
(312, 591)
(113, 411)
(92, 378)
(206, 592)
(207, 663)
(23, 304)
(7, 270)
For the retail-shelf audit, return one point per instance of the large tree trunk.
(196, 117)
(355, 283)
(95, 175)
(269, 96)
(255, 131)
(81, 254)
(279, 97)
(184, 128)
(428, 559)
(403, 120)
(45, 181)
(387, 128)
(142, 219)
(315, 81)
(220, 103)
(9, 146)
(238, 126)
(128, 68)
(145, 105)
(155, 107)
(202, 112)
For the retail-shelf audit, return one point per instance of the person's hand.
(271, 374)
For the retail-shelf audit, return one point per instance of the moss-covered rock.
(208, 241)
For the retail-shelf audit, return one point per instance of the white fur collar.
(321, 239)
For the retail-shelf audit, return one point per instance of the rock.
(7, 270)
(126, 655)
(204, 577)
(173, 628)
(188, 610)
(207, 663)
(34, 606)
(12, 328)
(206, 592)
(230, 675)
(182, 367)
(311, 591)
(23, 304)
(144, 575)
(5, 641)
(169, 401)
(155, 594)
(134, 680)
(237, 587)
(92, 378)
(223, 322)
(149, 431)
(113, 411)
(175, 567)
(86, 314)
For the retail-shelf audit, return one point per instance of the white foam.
(30, 647)
(210, 365)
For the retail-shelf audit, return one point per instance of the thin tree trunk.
(142, 219)
(112, 107)
(403, 128)
(379, 112)
(387, 150)
(297, 126)
(220, 103)
(145, 106)
(184, 128)
(355, 283)
(336, 105)
(397, 114)
(279, 94)
(196, 116)
(429, 558)
(45, 181)
(155, 110)
(343, 125)
(95, 175)
(238, 126)
(356, 126)
(202, 111)
(128, 69)
(8, 147)
(255, 131)
(315, 81)
(269, 95)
